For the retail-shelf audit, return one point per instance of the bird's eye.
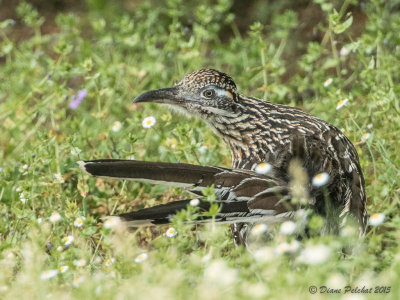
(209, 94)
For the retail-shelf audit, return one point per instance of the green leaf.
(343, 26)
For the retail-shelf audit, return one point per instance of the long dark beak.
(168, 95)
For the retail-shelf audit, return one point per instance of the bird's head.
(205, 93)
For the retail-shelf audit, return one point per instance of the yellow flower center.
(375, 216)
(148, 122)
(319, 176)
(340, 102)
(79, 221)
(171, 231)
(262, 165)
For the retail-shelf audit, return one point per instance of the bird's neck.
(243, 135)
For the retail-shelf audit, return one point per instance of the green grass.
(117, 55)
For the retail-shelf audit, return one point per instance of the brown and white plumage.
(258, 131)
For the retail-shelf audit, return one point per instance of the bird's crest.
(201, 78)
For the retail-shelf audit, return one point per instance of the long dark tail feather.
(229, 212)
(246, 182)
(162, 214)
(175, 174)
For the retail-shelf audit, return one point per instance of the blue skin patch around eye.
(219, 92)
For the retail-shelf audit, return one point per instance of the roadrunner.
(265, 139)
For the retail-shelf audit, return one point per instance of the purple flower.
(77, 100)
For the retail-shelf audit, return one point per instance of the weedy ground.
(66, 96)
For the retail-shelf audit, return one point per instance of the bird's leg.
(239, 233)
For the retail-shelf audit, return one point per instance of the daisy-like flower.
(39, 220)
(171, 143)
(63, 269)
(59, 177)
(315, 255)
(341, 103)
(109, 261)
(80, 262)
(376, 219)
(365, 136)
(22, 197)
(348, 231)
(320, 179)
(344, 51)
(141, 258)
(25, 167)
(282, 248)
(171, 232)
(148, 122)
(79, 221)
(263, 168)
(116, 126)
(77, 281)
(288, 227)
(55, 217)
(68, 240)
(194, 202)
(294, 246)
(48, 274)
(328, 82)
(259, 229)
(112, 222)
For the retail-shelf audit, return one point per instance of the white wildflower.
(141, 258)
(341, 103)
(80, 262)
(48, 274)
(116, 126)
(377, 219)
(79, 221)
(328, 82)
(68, 240)
(59, 177)
(315, 255)
(148, 122)
(259, 229)
(63, 269)
(320, 179)
(365, 136)
(55, 217)
(288, 228)
(263, 168)
(171, 232)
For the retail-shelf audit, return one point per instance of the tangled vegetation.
(67, 95)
